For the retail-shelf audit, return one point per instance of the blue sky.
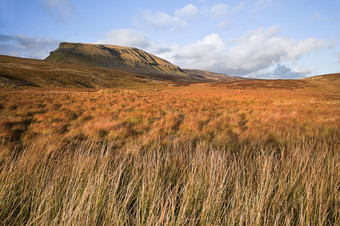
(258, 38)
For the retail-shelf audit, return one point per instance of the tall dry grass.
(183, 156)
(178, 183)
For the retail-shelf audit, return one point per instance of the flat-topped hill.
(22, 72)
(117, 57)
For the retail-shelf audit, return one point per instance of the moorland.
(152, 151)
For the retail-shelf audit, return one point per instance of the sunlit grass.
(198, 154)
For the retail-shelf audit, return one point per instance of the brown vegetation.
(224, 153)
(21, 72)
(211, 75)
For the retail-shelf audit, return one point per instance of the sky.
(250, 38)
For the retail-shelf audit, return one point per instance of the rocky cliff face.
(116, 57)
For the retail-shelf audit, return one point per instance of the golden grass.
(199, 154)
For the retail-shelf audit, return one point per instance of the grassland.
(244, 153)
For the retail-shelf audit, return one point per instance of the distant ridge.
(329, 80)
(329, 77)
(212, 75)
(116, 57)
(22, 72)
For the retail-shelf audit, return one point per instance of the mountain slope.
(117, 57)
(330, 78)
(212, 75)
(331, 81)
(21, 72)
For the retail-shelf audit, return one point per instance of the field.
(246, 153)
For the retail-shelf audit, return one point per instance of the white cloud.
(24, 46)
(262, 3)
(339, 57)
(261, 48)
(224, 13)
(316, 17)
(187, 11)
(219, 10)
(303, 47)
(164, 21)
(255, 54)
(126, 37)
(59, 9)
(200, 54)
(255, 51)
(238, 7)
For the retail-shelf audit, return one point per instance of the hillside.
(253, 152)
(211, 75)
(330, 79)
(327, 77)
(117, 57)
(93, 66)
(19, 72)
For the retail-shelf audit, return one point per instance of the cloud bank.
(24, 46)
(252, 55)
(260, 49)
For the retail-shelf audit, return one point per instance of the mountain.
(132, 60)
(21, 72)
(212, 75)
(116, 57)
